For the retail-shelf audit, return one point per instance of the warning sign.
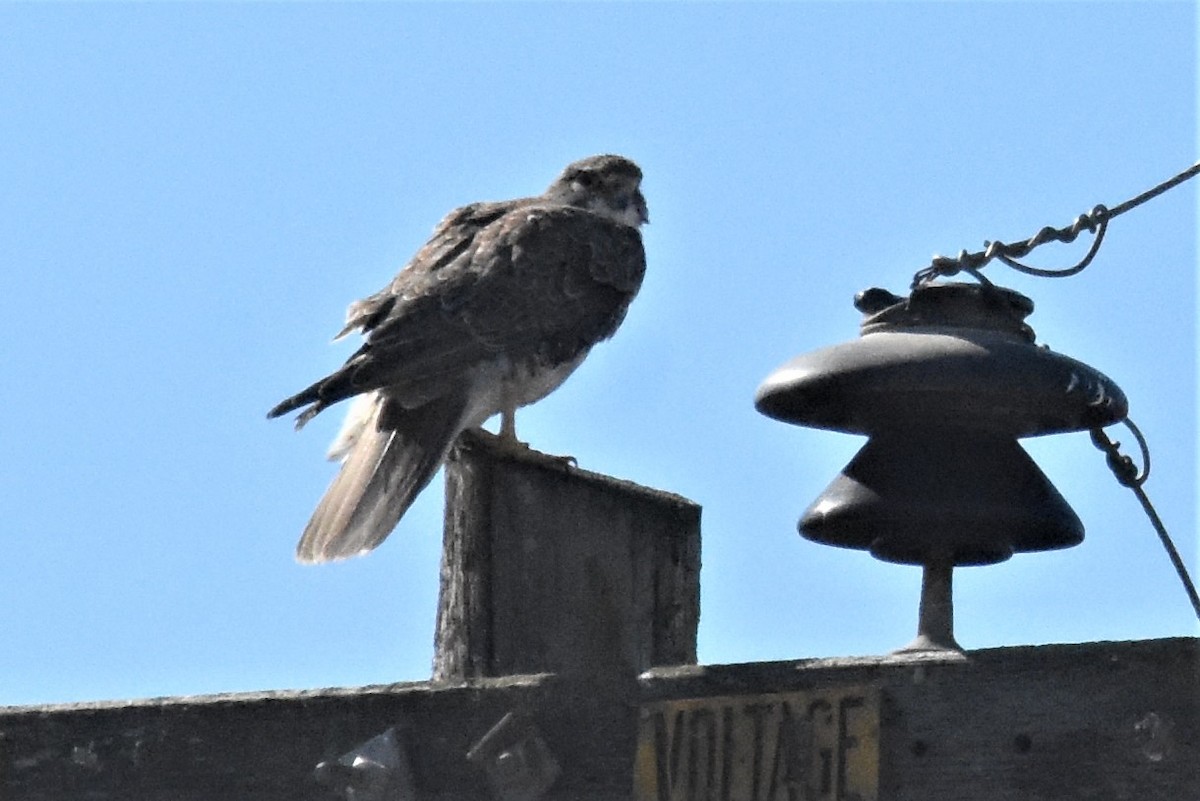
(798, 746)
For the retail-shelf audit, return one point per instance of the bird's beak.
(639, 201)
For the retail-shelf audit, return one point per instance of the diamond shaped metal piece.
(376, 770)
(516, 760)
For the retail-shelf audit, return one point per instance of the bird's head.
(606, 185)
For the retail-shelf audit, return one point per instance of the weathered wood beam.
(1109, 720)
(265, 746)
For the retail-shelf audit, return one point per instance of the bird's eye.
(586, 179)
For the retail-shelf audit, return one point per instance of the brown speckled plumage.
(493, 313)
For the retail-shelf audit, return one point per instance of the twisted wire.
(1094, 222)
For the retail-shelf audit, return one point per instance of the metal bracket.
(376, 770)
(517, 761)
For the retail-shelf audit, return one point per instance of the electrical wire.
(1095, 222)
(1127, 474)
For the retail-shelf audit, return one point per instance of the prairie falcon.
(494, 312)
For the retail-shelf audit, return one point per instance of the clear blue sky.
(191, 194)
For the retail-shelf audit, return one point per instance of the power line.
(1095, 221)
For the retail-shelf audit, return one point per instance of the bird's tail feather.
(387, 463)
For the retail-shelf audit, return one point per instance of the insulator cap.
(969, 498)
(955, 355)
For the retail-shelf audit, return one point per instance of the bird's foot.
(510, 445)
(514, 448)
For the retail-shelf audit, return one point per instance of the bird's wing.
(539, 281)
(451, 239)
(544, 281)
(451, 243)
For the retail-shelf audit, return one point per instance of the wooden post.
(550, 569)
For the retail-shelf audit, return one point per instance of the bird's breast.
(508, 383)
